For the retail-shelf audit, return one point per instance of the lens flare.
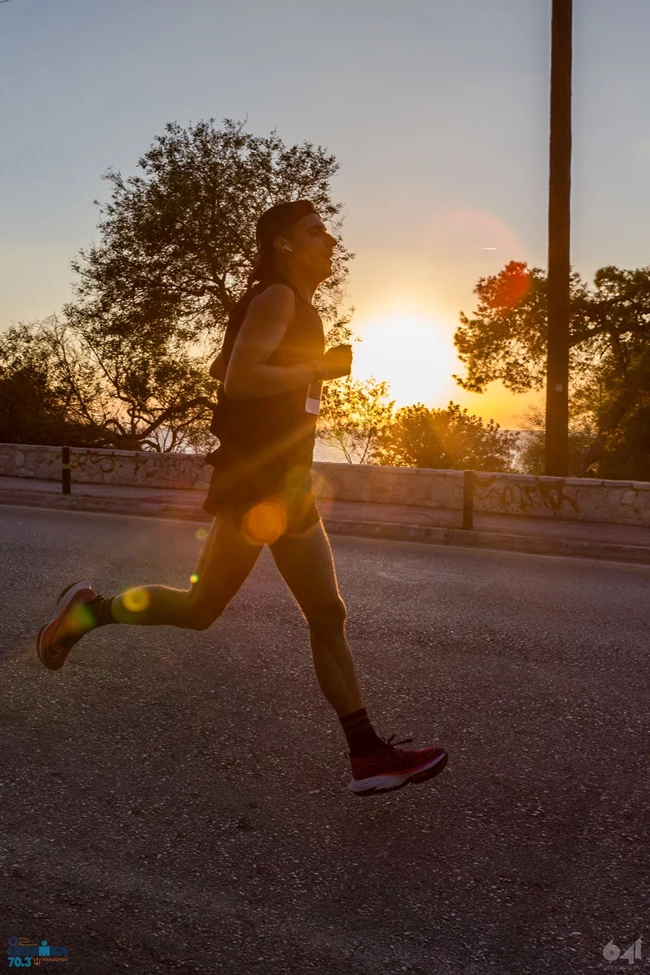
(194, 579)
(136, 600)
(511, 286)
(321, 486)
(264, 523)
(83, 618)
(458, 235)
(202, 534)
(296, 481)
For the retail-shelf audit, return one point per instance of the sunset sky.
(437, 112)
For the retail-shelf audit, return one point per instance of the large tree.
(178, 242)
(129, 355)
(505, 340)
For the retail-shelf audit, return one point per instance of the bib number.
(312, 403)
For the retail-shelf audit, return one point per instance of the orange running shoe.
(57, 638)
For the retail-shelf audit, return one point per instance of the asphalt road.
(176, 801)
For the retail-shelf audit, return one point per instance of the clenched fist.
(337, 362)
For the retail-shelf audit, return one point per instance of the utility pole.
(559, 243)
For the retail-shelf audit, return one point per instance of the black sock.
(99, 611)
(362, 740)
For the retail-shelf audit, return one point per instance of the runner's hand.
(337, 362)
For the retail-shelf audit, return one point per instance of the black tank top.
(264, 441)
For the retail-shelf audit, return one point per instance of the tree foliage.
(125, 365)
(34, 399)
(178, 242)
(531, 456)
(101, 391)
(609, 356)
(354, 417)
(357, 419)
(446, 439)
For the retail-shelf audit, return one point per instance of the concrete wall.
(571, 498)
(575, 499)
(89, 466)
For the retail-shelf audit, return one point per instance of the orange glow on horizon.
(406, 328)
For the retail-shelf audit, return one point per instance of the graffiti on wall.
(546, 496)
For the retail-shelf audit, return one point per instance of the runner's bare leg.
(307, 566)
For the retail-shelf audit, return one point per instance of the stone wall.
(388, 485)
(575, 499)
(90, 466)
(571, 498)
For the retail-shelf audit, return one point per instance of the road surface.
(176, 801)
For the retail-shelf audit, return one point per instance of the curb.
(114, 506)
(532, 544)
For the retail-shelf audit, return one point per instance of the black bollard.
(468, 500)
(65, 470)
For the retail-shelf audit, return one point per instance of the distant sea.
(325, 452)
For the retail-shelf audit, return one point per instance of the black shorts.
(274, 516)
(293, 512)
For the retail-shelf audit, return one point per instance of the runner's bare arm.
(218, 368)
(267, 320)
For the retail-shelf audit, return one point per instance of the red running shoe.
(57, 638)
(392, 768)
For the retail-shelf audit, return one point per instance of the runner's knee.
(327, 617)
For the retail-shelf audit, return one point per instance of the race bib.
(312, 403)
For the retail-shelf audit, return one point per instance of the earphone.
(285, 248)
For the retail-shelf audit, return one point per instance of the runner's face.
(311, 246)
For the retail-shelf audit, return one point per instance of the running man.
(272, 366)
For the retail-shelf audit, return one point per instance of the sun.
(415, 354)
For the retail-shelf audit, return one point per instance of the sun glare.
(412, 353)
